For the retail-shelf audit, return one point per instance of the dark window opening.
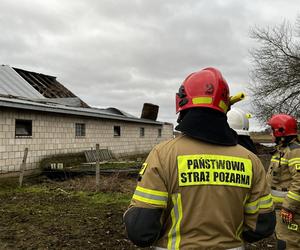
(159, 132)
(142, 132)
(23, 128)
(117, 131)
(79, 129)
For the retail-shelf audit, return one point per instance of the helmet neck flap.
(207, 125)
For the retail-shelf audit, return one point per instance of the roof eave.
(60, 110)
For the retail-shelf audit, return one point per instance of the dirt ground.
(68, 214)
(51, 214)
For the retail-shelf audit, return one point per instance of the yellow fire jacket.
(284, 177)
(209, 195)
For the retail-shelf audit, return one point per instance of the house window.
(79, 129)
(159, 132)
(23, 128)
(142, 132)
(117, 131)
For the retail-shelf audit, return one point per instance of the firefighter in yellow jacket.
(284, 179)
(201, 190)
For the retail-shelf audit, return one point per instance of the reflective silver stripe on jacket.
(151, 196)
(236, 248)
(277, 193)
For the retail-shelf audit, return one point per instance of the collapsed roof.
(28, 90)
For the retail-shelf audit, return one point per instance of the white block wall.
(55, 134)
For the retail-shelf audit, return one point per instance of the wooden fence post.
(22, 167)
(97, 168)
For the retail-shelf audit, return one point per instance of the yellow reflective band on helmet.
(206, 169)
(223, 106)
(150, 196)
(297, 166)
(261, 203)
(293, 196)
(202, 100)
(176, 216)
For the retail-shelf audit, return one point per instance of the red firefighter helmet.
(205, 88)
(283, 125)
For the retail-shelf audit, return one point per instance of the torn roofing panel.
(12, 84)
(47, 85)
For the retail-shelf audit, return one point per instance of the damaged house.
(39, 113)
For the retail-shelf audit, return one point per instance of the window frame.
(25, 122)
(159, 133)
(80, 130)
(117, 131)
(142, 132)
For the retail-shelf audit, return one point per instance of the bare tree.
(275, 75)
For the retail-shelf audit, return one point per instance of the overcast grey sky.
(122, 53)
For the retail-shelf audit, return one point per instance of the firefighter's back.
(209, 185)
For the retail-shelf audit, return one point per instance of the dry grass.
(108, 183)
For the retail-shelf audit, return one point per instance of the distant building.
(40, 113)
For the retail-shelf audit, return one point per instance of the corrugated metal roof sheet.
(62, 109)
(11, 83)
